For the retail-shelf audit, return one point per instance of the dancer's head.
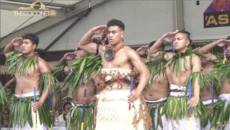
(181, 41)
(115, 31)
(66, 106)
(80, 53)
(29, 43)
(6, 114)
(228, 38)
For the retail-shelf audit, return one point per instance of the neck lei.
(82, 69)
(156, 68)
(19, 63)
(176, 60)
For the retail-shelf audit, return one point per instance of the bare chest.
(120, 61)
(181, 66)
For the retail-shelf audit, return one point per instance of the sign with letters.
(217, 14)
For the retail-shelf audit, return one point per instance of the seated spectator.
(62, 117)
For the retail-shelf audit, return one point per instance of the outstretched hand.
(37, 105)
(69, 56)
(142, 50)
(85, 101)
(133, 96)
(52, 112)
(17, 41)
(193, 102)
(99, 29)
(222, 42)
(168, 37)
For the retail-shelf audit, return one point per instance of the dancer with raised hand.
(156, 91)
(119, 61)
(184, 65)
(222, 107)
(80, 77)
(29, 71)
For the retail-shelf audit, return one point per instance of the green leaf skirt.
(221, 114)
(176, 108)
(74, 117)
(3, 101)
(21, 113)
(153, 108)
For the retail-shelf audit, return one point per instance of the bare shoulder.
(195, 57)
(129, 51)
(43, 66)
(196, 60)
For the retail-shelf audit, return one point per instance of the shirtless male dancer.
(118, 62)
(177, 104)
(221, 109)
(156, 94)
(206, 96)
(78, 98)
(29, 71)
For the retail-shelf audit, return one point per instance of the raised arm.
(207, 48)
(10, 82)
(86, 44)
(196, 67)
(66, 57)
(157, 45)
(142, 70)
(142, 50)
(10, 47)
(209, 56)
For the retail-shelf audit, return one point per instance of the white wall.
(193, 17)
(144, 21)
(46, 37)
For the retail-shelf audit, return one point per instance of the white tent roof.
(14, 26)
(10, 23)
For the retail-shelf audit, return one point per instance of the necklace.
(109, 54)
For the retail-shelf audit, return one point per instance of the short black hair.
(153, 42)
(228, 38)
(32, 37)
(67, 103)
(41, 53)
(115, 22)
(7, 110)
(187, 33)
